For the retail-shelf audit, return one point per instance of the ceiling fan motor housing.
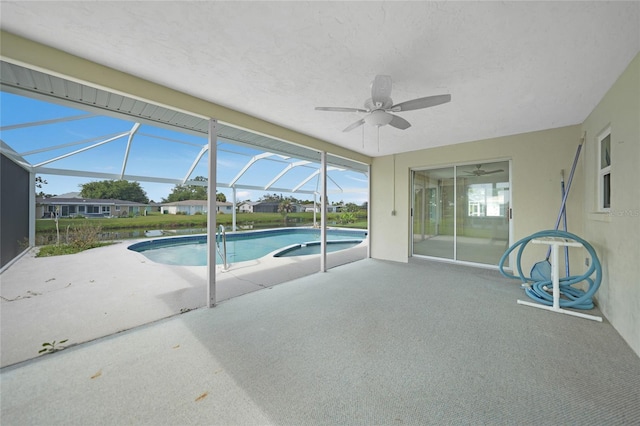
(369, 105)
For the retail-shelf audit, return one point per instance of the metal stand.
(555, 243)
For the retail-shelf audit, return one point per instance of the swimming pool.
(249, 245)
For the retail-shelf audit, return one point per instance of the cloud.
(243, 195)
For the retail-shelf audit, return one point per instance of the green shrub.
(80, 237)
(347, 217)
(84, 235)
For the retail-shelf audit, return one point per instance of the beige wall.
(616, 236)
(536, 161)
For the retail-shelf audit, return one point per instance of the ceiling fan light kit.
(378, 118)
(380, 106)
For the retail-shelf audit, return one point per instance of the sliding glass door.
(461, 212)
(433, 213)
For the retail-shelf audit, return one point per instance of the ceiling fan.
(480, 172)
(380, 106)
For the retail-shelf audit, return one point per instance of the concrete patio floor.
(106, 290)
(370, 342)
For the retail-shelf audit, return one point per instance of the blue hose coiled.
(573, 297)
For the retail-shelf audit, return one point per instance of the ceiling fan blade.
(420, 103)
(399, 123)
(340, 109)
(381, 90)
(354, 125)
(493, 171)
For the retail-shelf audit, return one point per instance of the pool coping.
(143, 245)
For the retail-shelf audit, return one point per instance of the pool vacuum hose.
(536, 290)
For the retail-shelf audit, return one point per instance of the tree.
(192, 192)
(284, 208)
(188, 192)
(114, 189)
(39, 183)
(352, 207)
(271, 198)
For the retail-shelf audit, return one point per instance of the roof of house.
(68, 195)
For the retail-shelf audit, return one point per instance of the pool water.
(243, 246)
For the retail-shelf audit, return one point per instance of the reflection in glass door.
(433, 213)
(461, 212)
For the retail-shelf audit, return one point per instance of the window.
(487, 199)
(604, 170)
(106, 209)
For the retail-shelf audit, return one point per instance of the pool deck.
(106, 290)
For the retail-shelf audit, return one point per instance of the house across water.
(73, 205)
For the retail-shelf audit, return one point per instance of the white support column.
(315, 208)
(132, 133)
(195, 163)
(235, 203)
(369, 210)
(32, 209)
(323, 209)
(82, 149)
(212, 214)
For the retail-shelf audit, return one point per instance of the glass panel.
(606, 191)
(605, 152)
(434, 206)
(482, 225)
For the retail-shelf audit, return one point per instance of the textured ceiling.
(511, 67)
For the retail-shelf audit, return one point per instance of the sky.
(39, 132)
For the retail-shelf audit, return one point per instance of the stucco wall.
(616, 236)
(537, 159)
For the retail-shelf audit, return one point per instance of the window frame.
(604, 173)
